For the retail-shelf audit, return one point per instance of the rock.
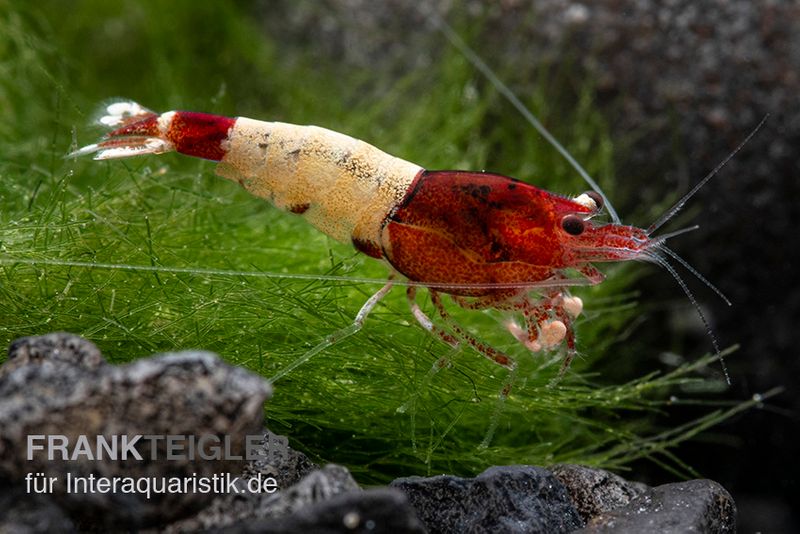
(277, 459)
(374, 511)
(594, 491)
(21, 513)
(49, 349)
(692, 506)
(189, 394)
(316, 487)
(501, 499)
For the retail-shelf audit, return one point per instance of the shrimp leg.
(484, 349)
(489, 352)
(459, 332)
(548, 321)
(426, 323)
(341, 334)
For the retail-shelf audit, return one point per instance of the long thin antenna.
(663, 262)
(694, 271)
(503, 89)
(663, 237)
(670, 213)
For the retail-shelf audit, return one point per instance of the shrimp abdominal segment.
(345, 186)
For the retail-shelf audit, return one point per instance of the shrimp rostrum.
(486, 240)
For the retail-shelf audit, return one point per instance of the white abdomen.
(343, 186)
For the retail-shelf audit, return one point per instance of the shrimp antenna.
(694, 271)
(503, 89)
(660, 260)
(670, 213)
(658, 244)
(660, 239)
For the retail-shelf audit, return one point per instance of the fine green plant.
(157, 254)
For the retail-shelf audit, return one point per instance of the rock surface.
(594, 491)
(21, 512)
(277, 459)
(317, 486)
(52, 349)
(185, 394)
(377, 511)
(693, 506)
(515, 498)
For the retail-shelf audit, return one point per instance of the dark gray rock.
(316, 487)
(278, 460)
(187, 394)
(693, 506)
(375, 511)
(594, 491)
(501, 499)
(22, 513)
(52, 349)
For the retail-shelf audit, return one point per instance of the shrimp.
(486, 240)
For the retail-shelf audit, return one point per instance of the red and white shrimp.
(488, 241)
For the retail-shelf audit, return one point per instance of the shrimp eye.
(598, 199)
(572, 224)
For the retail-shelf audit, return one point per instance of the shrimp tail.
(134, 132)
(137, 130)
